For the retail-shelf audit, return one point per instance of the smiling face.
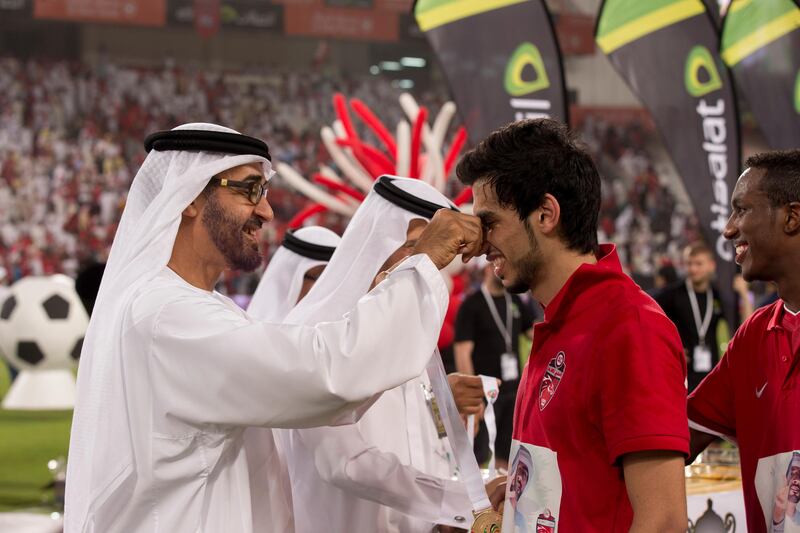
(755, 226)
(232, 222)
(514, 251)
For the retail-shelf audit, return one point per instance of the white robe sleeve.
(209, 364)
(346, 460)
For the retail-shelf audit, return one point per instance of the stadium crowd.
(70, 141)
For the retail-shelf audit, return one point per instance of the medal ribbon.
(489, 384)
(490, 392)
(469, 472)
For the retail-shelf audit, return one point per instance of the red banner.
(340, 23)
(135, 12)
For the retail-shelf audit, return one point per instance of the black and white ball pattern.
(42, 323)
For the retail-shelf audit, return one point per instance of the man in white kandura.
(172, 373)
(294, 268)
(390, 472)
(290, 274)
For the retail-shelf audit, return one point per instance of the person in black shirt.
(693, 304)
(485, 344)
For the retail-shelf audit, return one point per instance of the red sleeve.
(642, 389)
(711, 404)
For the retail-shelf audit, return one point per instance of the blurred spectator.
(694, 305)
(666, 275)
(639, 211)
(488, 327)
(70, 142)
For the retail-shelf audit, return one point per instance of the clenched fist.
(451, 233)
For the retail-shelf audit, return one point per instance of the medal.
(487, 521)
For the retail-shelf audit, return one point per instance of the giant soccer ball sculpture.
(42, 324)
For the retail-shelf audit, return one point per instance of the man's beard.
(529, 267)
(227, 234)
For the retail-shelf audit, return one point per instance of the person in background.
(753, 394)
(693, 304)
(488, 327)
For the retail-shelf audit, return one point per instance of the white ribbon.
(490, 392)
(469, 473)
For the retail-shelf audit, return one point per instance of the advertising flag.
(501, 59)
(761, 45)
(667, 52)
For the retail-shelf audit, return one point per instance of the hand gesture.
(448, 234)
(467, 392)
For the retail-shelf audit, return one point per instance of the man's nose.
(731, 231)
(263, 210)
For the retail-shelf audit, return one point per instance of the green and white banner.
(667, 52)
(761, 45)
(500, 57)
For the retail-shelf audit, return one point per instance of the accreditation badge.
(509, 367)
(433, 409)
(701, 358)
(487, 521)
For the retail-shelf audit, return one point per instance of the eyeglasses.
(256, 189)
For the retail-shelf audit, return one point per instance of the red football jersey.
(753, 397)
(605, 378)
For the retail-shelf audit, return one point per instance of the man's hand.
(467, 392)
(496, 489)
(449, 234)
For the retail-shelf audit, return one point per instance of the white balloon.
(346, 164)
(434, 167)
(403, 148)
(303, 186)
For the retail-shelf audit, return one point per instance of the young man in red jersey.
(601, 408)
(753, 394)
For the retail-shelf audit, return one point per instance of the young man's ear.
(547, 216)
(792, 224)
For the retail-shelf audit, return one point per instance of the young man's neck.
(559, 269)
(700, 286)
(789, 291)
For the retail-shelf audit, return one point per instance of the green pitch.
(29, 440)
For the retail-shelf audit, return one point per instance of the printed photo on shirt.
(533, 494)
(778, 487)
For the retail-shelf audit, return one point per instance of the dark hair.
(697, 248)
(527, 159)
(669, 274)
(781, 180)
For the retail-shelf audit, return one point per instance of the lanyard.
(469, 473)
(702, 327)
(505, 331)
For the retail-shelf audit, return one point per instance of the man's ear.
(792, 223)
(191, 210)
(547, 216)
